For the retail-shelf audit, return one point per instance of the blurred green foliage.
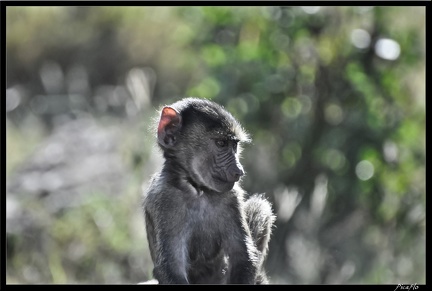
(333, 97)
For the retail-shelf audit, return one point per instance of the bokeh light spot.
(360, 38)
(387, 49)
(364, 170)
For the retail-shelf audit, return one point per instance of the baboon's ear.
(169, 126)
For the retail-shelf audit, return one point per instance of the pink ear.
(169, 124)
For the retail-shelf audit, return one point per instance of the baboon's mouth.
(220, 180)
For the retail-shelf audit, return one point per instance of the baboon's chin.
(227, 187)
(222, 186)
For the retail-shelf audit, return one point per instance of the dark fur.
(200, 228)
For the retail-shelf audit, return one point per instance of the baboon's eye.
(221, 143)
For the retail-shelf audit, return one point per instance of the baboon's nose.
(235, 174)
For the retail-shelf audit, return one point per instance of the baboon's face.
(215, 163)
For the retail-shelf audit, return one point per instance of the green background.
(333, 97)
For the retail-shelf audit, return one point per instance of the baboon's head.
(204, 140)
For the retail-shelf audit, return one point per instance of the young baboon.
(200, 227)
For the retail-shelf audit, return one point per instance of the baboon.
(201, 229)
